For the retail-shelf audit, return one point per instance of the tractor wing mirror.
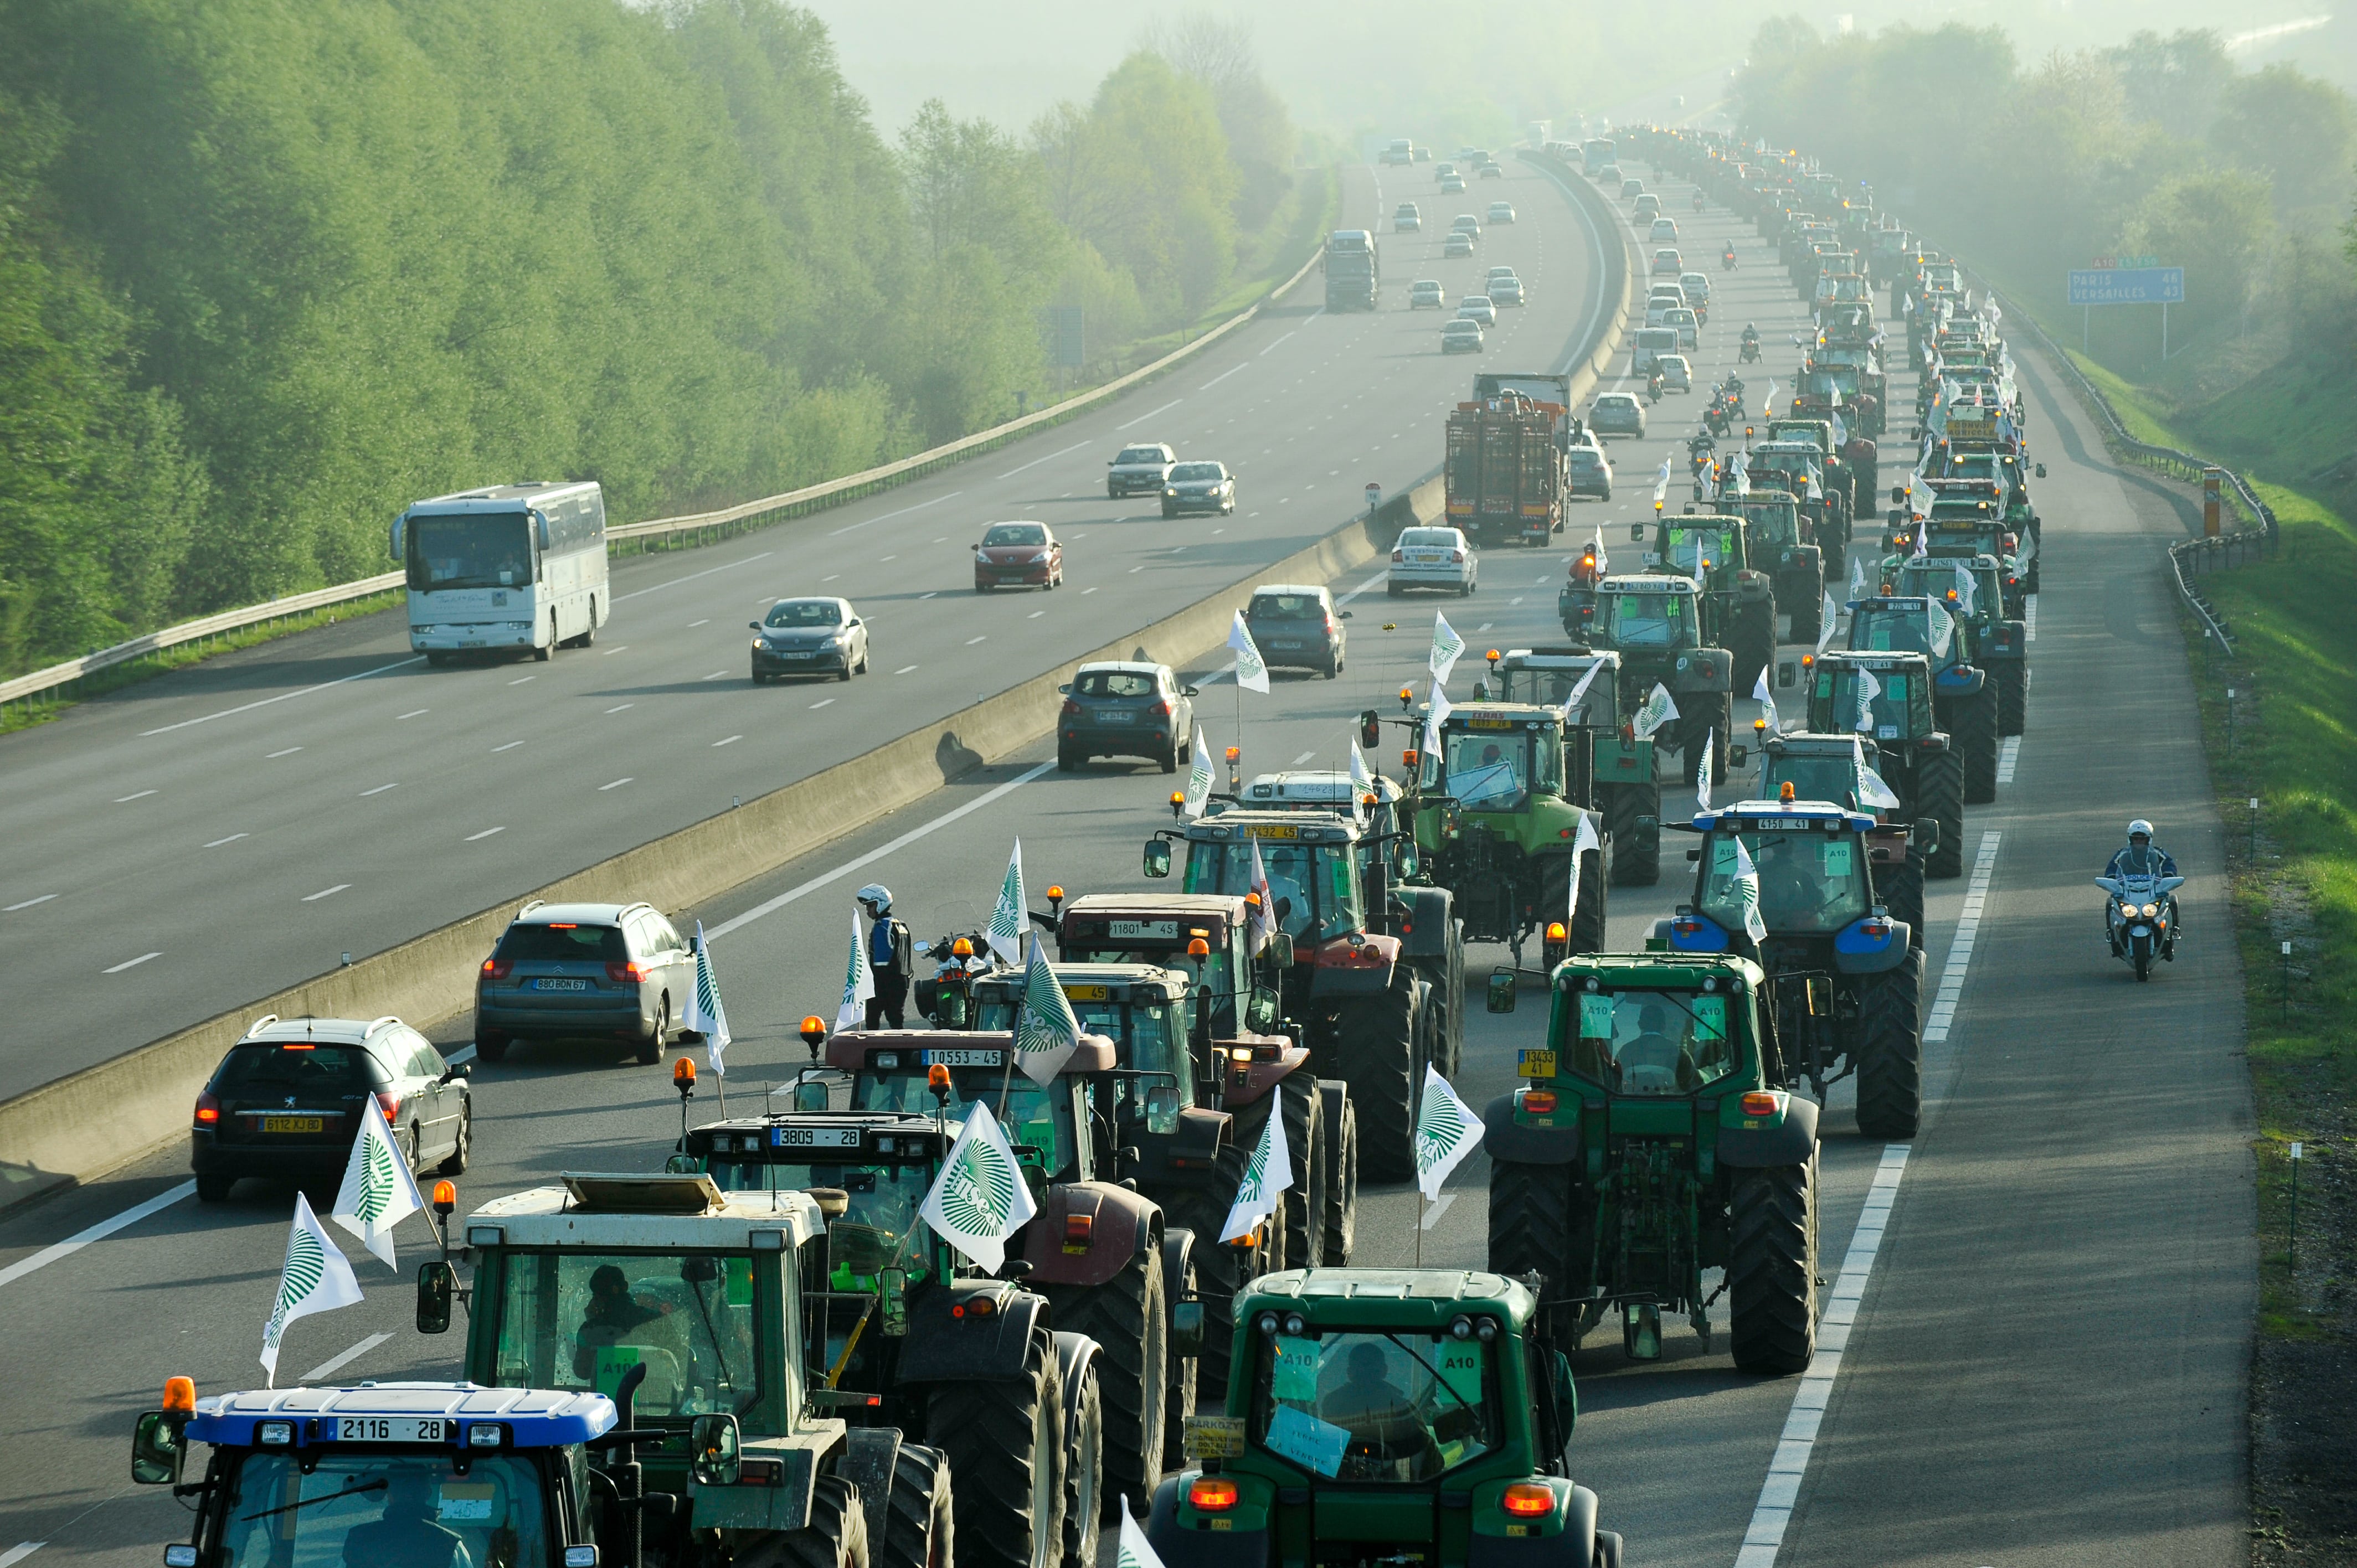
(1157, 858)
(1187, 1328)
(156, 1449)
(1280, 949)
(1501, 991)
(438, 1287)
(717, 1450)
(2041, 470)
(1926, 838)
(1637, 533)
(1735, 755)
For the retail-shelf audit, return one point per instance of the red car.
(1018, 555)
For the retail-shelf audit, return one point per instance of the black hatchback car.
(1296, 627)
(290, 1097)
(1122, 709)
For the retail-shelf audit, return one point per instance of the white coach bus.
(509, 567)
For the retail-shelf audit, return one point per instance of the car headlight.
(984, 559)
(1169, 490)
(1040, 559)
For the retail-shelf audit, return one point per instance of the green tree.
(2293, 131)
(2216, 225)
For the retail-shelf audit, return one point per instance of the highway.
(2038, 1312)
(210, 837)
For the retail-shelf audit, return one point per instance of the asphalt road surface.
(2038, 1313)
(199, 841)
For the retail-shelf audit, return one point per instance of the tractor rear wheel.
(1375, 1054)
(918, 1530)
(1976, 737)
(1636, 848)
(1220, 1271)
(1542, 1220)
(1901, 889)
(1341, 1173)
(1129, 1318)
(1888, 1051)
(1940, 795)
(2012, 697)
(1304, 1203)
(1086, 1499)
(1706, 721)
(1005, 1441)
(1752, 641)
(1771, 1268)
(836, 1536)
(1808, 612)
(1587, 933)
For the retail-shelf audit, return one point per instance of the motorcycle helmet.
(2140, 829)
(876, 898)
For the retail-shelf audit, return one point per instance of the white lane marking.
(824, 879)
(231, 839)
(694, 624)
(380, 790)
(612, 711)
(934, 595)
(325, 892)
(2030, 618)
(821, 703)
(904, 669)
(972, 641)
(412, 714)
(75, 1244)
(30, 902)
(2006, 757)
(1215, 381)
(283, 696)
(522, 679)
(716, 675)
(1790, 1462)
(615, 785)
(609, 654)
(126, 800)
(1960, 948)
(1142, 418)
(1265, 353)
(1382, 577)
(276, 754)
(130, 963)
(1439, 1207)
(881, 559)
(485, 833)
(509, 746)
(333, 1364)
(1303, 757)
(22, 1549)
(1086, 592)
(902, 512)
(1035, 614)
(692, 576)
(1048, 458)
(730, 741)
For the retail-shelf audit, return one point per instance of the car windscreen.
(1651, 1042)
(1142, 455)
(1195, 473)
(1286, 606)
(474, 550)
(1429, 538)
(1490, 770)
(1833, 780)
(1015, 534)
(295, 1068)
(1114, 683)
(873, 1232)
(1311, 885)
(804, 612)
(536, 942)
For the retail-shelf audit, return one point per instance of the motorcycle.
(2140, 916)
(1653, 387)
(1726, 258)
(946, 999)
(1749, 353)
(1698, 201)
(1700, 449)
(1715, 419)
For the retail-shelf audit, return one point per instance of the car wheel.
(759, 679)
(1067, 762)
(650, 1049)
(464, 1148)
(490, 1047)
(436, 660)
(214, 1188)
(982, 587)
(1171, 760)
(862, 662)
(410, 1143)
(1169, 512)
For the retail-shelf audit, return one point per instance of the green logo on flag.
(376, 1182)
(978, 1195)
(307, 1264)
(1439, 1127)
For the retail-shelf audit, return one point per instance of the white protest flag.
(1701, 768)
(1269, 1174)
(1964, 588)
(315, 1278)
(1363, 777)
(1252, 670)
(1585, 841)
(1045, 1032)
(1436, 716)
(1874, 792)
(1657, 710)
(1198, 777)
(1742, 479)
(1841, 431)
(378, 1190)
(1830, 616)
(1922, 551)
(1661, 485)
(1596, 548)
(1768, 404)
(1007, 920)
(1943, 627)
(1857, 579)
(705, 1013)
(1571, 702)
(1446, 646)
(1868, 688)
(979, 1199)
(1747, 893)
(1446, 1131)
(1260, 912)
(1134, 1551)
(859, 982)
(1766, 700)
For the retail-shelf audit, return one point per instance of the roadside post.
(2211, 479)
(2292, 1251)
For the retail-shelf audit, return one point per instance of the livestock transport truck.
(1353, 270)
(1507, 474)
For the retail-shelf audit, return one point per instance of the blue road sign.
(2127, 285)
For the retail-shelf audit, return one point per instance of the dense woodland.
(2158, 147)
(268, 271)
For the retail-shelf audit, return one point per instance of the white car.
(1407, 220)
(1501, 212)
(1668, 262)
(1697, 288)
(1467, 223)
(1689, 328)
(1659, 304)
(1478, 307)
(1434, 558)
(1647, 205)
(1425, 292)
(1676, 374)
(1664, 231)
(1462, 336)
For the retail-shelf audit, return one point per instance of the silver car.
(1506, 290)
(608, 972)
(1200, 487)
(809, 637)
(1433, 558)
(1425, 292)
(1144, 467)
(1617, 413)
(1462, 336)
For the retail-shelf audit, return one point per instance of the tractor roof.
(1646, 583)
(1386, 1298)
(1502, 716)
(1316, 787)
(914, 1050)
(1864, 658)
(1296, 825)
(658, 1211)
(1802, 743)
(849, 1137)
(1569, 656)
(1117, 980)
(1666, 969)
(533, 1417)
(1748, 816)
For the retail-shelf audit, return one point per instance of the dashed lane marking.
(68, 1248)
(1960, 948)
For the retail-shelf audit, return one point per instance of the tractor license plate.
(393, 1429)
(966, 1058)
(1275, 831)
(813, 1137)
(1214, 1437)
(293, 1123)
(1139, 930)
(1534, 1064)
(1477, 721)
(1089, 993)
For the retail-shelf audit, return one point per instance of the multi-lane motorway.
(2038, 1312)
(200, 841)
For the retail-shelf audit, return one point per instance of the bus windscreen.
(471, 549)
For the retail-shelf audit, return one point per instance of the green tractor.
(1381, 1418)
(1974, 592)
(1607, 769)
(1739, 603)
(1885, 699)
(1497, 824)
(1655, 1138)
(1655, 623)
(1963, 694)
(1784, 547)
(1848, 977)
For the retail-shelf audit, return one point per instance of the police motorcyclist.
(890, 957)
(2142, 858)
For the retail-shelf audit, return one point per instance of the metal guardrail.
(40, 683)
(2188, 560)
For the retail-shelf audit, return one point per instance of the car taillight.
(629, 971)
(388, 1102)
(1399, 555)
(1212, 1494)
(1528, 1499)
(498, 968)
(1456, 555)
(1165, 707)
(1330, 623)
(207, 1110)
(1071, 707)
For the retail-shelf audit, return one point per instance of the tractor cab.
(1229, 993)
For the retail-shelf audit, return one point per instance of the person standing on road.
(890, 956)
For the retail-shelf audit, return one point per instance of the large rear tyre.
(1636, 845)
(1542, 1220)
(836, 1536)
(1005, 1441)
(1128, 1316)
(1940, 797)
(919, 1530)
(1901, 888)
(2012, 697)
(1705, 721)
(1890, 1051)
(1341, 1173)
(1771, 1268)
(1752, 641)
(1375, 1054)
(1808, 612)
(1086, 1496)
(1587, 931)
(1220, 1271)
(1976, 737)
(1304, 1203)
